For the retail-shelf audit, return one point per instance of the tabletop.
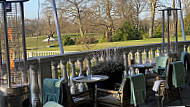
(147, 65)
(90, 78)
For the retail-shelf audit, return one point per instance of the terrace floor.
(185, 94)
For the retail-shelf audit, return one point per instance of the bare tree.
(75, 10)
(153, 7)
(102, 14)
(138, 6)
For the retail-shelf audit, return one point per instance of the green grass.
(31, 44)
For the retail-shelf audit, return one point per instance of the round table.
(91, 81)
(90, 78)
(143, 67)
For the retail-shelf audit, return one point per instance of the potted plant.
(113, 69)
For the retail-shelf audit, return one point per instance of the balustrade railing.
(66, 64)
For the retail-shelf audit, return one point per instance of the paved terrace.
(185, 95)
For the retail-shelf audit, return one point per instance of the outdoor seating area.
(106, 77)
(53, 81)
(145, 75)
(166, 86)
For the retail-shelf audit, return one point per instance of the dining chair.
(51, 90)
(161, 63)
(175, 79)
(159, 69)
(185, 58)
(74, 100)
(114, 98)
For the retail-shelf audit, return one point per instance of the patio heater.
(14, 91)
(169, 31)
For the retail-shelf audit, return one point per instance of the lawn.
(42, 46)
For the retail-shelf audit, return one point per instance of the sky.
(31, 9)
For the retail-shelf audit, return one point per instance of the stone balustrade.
(44, 67)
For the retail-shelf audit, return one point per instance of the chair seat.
(150, 82)
(81, 99)
(151, 75)
(109, 99)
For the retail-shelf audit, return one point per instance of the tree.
(48, 15)
(153, 7)
(102, 16)
(138, 6)
(75, 9)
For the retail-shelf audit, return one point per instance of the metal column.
(6, 44)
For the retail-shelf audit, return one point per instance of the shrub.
(158, 32)
(102, 39)
(127, 32)
(113, 69)
(146, 35)
(68, 40)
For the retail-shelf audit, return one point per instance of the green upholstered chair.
(185, 58)
(159, 69)
(174, 79)
(114, 98)
(161, 63)
(51, 90)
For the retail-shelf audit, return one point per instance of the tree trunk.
(137, 20)
(110, 21)
(49, 24)
(79, 21)
(153, 7)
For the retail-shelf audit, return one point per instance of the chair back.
(169, 75)
(175, 74)
(51, 90)
(160, 62)
(65, 98)
(125, 90)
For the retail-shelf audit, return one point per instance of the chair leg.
(180, 96)
(158, 101)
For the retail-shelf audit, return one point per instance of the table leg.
(92, 86)
(142, 70)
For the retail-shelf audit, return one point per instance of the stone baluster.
(64, 64)
(96, 58)
(153, 54)
(126, 62)
(73, 74)
(180, 49)
(133, 54)
(35, 100)
(186, 48)
(81, 65)
(104, 57)
(88, 58)
(160, 51)
(81, 85)
(55, 70)
(140, 55)
(147, 55)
